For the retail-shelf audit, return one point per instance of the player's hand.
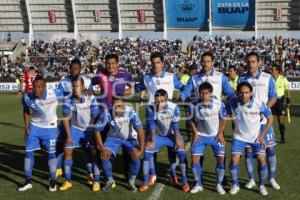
(195, 138)
(26, 134)
(19, 95)
(288, 105)
(135, 154)
(68, 140)
(261, 140)
(150, 145)
(105, 154)
(220, 137)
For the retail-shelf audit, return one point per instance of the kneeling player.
(42, 127)
(162, 118)
(81, 110)
(121, 120)
(247, 112)
(208, 125)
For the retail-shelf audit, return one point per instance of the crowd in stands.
(52, 58)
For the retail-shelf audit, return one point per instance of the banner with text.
(187, 13)
(233, 13)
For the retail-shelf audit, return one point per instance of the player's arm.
(222, 124)
(265, 110)
(287, 93)
(175, 128)
(129, 90)
(95, 110)
(272, 95)
(19, 93)
(137, 125)
(227, 89)
(99, 127)
(26, 117)
(139, 86)
(187, 90)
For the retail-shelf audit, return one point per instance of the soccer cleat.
(109, 186)
(52, 187)
(174, 181)
(263, 191)
(25, 187)
(220, 189)
(152, 180)
(132, 187)
(67, 185)
(274, 184)
(186, 188)
(90, 179)
(234, 189)
(58, 172)
(196, 189)
(250, 184)
(96, 186)
(143, 188)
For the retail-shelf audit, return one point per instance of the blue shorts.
(269, 137)
(238, 146)
(45, 135)
(113, 144)
(199, 145)
(161, 141)
(80, 138)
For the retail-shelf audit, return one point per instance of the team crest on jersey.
(111, 78)
(253, 83)
(158, 82)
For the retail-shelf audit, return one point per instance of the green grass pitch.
(12, 158)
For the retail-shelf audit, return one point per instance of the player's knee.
(51, 155)
(220, 159)
(181, 156)
(261, 159)
(271, 151)
(195, 159)
(248, 150)
(148, 156)
(235, 158)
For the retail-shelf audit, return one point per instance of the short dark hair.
(209, 54)
(192, 67)
(75, 61)
(111, 56)
(39, 78)
(161, 92)
(277, 67)
(76, 78)
(157, 55)
(205, 86)
(242, 84)
(31, 68)
(252, 54)
(232, 67)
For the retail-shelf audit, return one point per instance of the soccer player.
(113, 82)
(27, 80)
(79, 113)
(163, 122)
(40, 122)
(281, 84)
(160, 79)
(247, 111)
(208, 74)
(263, 89)
(122, 119)
(208, 125)
(65, 86)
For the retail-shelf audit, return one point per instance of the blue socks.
(107, 168)
(234, 171)
(68, 169)
(181, 155)
(220, 171)
(96, 170)
(263, 170)
(52, 163)
(146, 165)
(271, 159)
(249, 161)
(134, 169)
(197, 171)
(28, 164)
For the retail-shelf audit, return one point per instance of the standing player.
(264, 90)
(79, 113)
(27, 81)
(278, 109)
(122, 119)
(41, 105)
(160, 79)
(233, 77)
(162, 118)
(208, 125)
(247, 112)
(65, 86)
